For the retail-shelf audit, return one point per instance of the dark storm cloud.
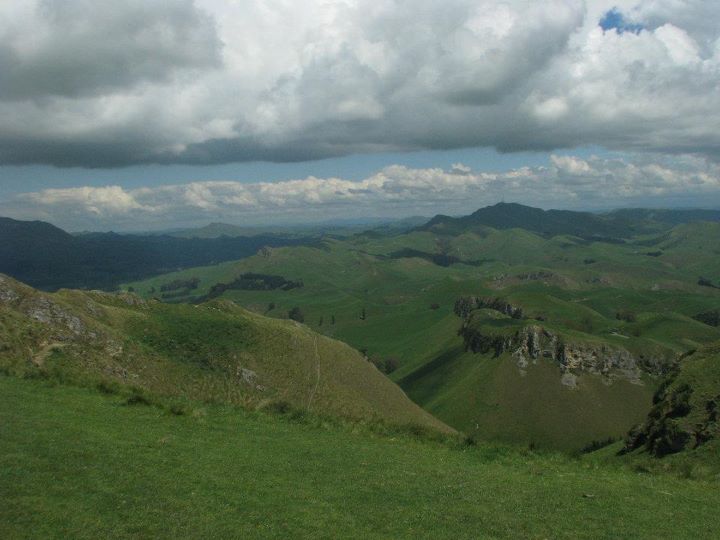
(77, 48)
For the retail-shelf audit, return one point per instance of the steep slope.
(214, 352)
(684, 416)
(524, 381)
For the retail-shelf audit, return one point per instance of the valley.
(634, 299)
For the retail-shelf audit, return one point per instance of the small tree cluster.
(626, 315)
(704, 282)
(190, 284)
(386, 365)
(296, 314)
(711, 318)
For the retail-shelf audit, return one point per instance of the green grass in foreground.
(76, 463)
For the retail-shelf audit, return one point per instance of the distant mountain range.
(617, 224)
(334, 227)
(49, 258)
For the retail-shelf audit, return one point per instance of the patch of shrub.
(469, 440)
(467, 304)
(704, 282)
(386, 365)
(189, 284)
(178, 410)
(296, 314)
(440, 259)
(174, 294)
(626, 315)
(711, 318)
(108, 387)
(251, 281)
(594, 445)
(277, 406)
(138, 397)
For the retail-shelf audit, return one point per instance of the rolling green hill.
(393, 296)
(215, 352)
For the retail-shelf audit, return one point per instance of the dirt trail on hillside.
(317, 382)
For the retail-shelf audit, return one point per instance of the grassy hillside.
(492, 400)
(74, 463)
(216, 352)
(393, 296)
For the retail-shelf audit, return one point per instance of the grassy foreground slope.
(216, 352)
(75, 463)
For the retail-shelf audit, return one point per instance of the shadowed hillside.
(47, 257)
(215, 352)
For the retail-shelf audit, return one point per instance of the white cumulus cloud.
(395, 191)
(103, 83)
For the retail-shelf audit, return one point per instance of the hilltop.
(544, 222)
(215, 352)
(611, 226)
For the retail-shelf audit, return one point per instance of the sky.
(148, 114)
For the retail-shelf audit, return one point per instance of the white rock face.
(533, 342)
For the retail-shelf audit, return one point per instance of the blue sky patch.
(613, 19)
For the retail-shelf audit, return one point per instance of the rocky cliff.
(685, 408)
(493, 325)
(467, 304)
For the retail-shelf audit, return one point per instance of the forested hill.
(49, 258)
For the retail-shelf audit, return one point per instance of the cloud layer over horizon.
(394, 191)
(108, 84)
